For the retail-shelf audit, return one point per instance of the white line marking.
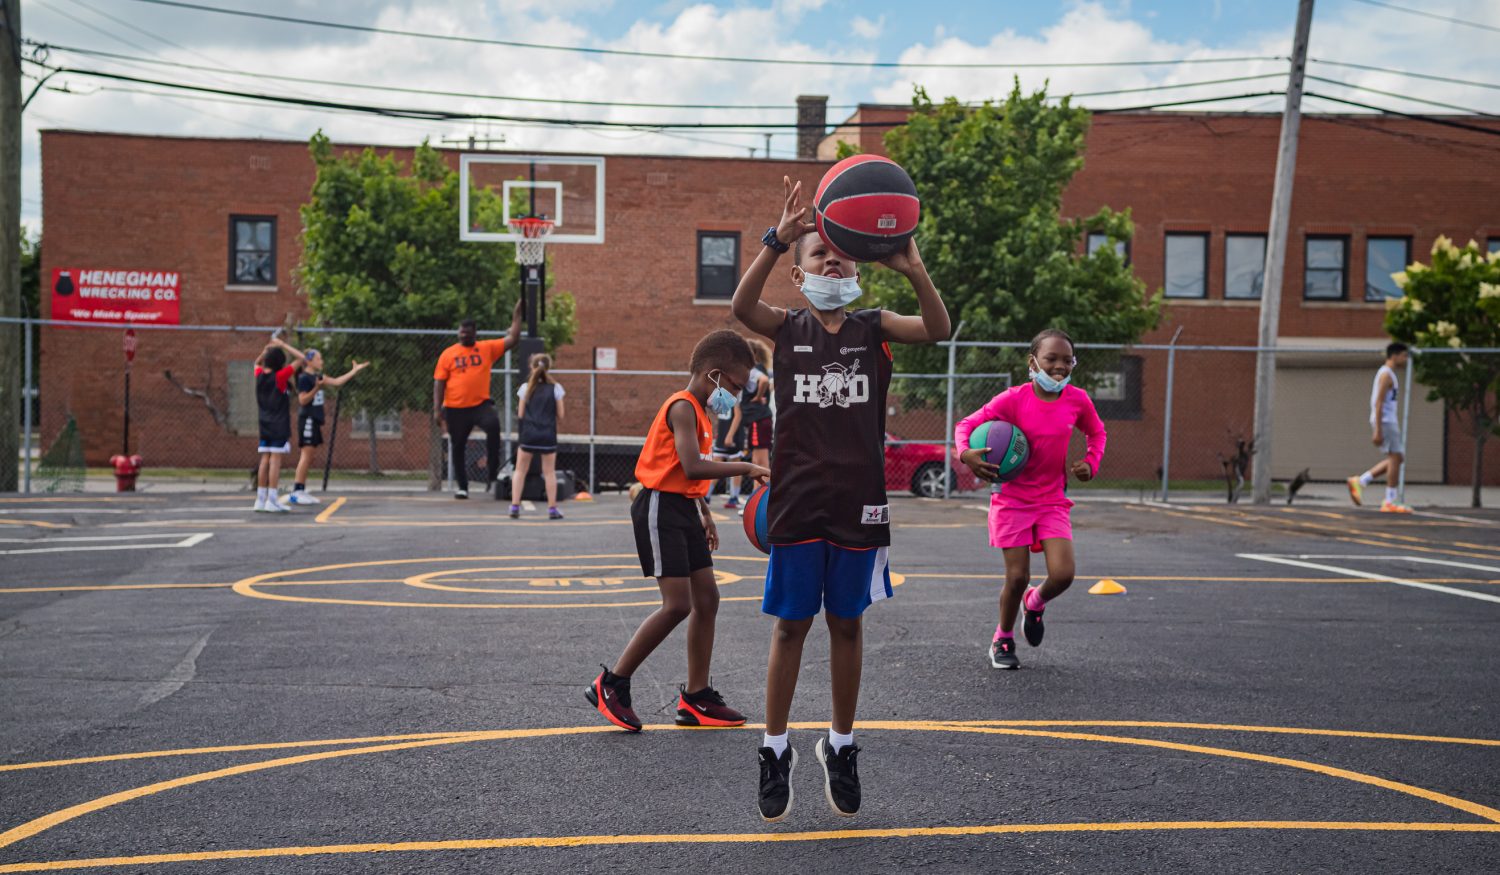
(190, 540)
(65, 512)
(177, 678)
(1453, 517)
(1418, 559)
(1367, 575)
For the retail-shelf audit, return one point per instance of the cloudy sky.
(238, 54)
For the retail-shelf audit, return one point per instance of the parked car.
(919, 467)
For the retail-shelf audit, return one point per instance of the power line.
(1413, 75)
(99, 53)
(1466, 23)
(1432, 120)
(802, 62)
(449, 115)
(1342, 84)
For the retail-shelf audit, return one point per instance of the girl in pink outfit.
(1030, 514)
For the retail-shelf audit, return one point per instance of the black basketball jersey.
(828, 464)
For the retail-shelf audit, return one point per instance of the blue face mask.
(1046, 383)
(721, 400)
(830, 293)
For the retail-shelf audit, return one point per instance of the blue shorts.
(804, 578)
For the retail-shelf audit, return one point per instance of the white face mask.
(830, 293)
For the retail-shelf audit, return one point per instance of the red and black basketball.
(756, 524)
(867, 208)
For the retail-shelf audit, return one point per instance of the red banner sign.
(125, 296)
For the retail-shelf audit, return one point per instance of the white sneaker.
(260, 505)
(300, 496)
(460, 493)
(274, 506)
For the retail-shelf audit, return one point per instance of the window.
(1098, 239)
(1325, 272)
(1187, 266)
(387, 425)
(1117, 388)
(1494, 244)
(1383, 257)
(1244, 265)
(252, 250)
(718, 263)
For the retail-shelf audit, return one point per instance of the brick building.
(1198, 185)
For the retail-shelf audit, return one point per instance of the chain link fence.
(1180, 417)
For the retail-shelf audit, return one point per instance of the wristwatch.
(773, 241)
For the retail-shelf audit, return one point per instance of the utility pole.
(1276, 245)
(10, 240)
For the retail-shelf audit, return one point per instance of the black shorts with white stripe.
(669, 534)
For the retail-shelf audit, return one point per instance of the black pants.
(461, 421)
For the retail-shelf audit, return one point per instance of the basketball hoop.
(533, 233)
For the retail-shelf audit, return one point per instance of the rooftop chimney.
(812, 122)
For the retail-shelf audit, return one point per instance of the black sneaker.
(1003, 654)
(1031, 622)
(776, 783)
(840, 777)
(610, 695)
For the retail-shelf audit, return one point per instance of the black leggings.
(461, 421)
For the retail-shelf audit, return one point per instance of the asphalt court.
(393, 683)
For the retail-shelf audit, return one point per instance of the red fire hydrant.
(127, 468)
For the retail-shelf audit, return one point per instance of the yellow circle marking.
(250, 586)
(46, 822)
(424, 581)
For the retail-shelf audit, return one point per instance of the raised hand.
(793, 222)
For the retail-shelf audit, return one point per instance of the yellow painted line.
(1164, 578)
(424, 581)
(580, 841)
(40, 524)
(46, 822)
(226, 748)
(951, 724)
(330, 510)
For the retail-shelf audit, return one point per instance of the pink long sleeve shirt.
(1048, 425)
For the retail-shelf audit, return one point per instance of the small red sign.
(123, 296)
(129, 345)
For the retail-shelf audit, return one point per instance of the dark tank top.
(828, 464)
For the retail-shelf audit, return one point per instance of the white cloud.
(867, 29)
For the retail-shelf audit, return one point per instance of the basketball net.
(533, 233)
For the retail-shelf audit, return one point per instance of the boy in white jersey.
(1385, 426)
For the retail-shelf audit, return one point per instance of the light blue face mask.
(830, 293)
(721, 401)
(1046, 383)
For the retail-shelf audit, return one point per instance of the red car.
(919, 467)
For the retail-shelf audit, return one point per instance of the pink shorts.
(1028, 526)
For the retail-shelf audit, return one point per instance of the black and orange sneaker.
(610, 694)
(705, 708)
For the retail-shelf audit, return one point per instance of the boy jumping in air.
(828, 517)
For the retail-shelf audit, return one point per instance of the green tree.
(381, 250)
(1454, 303)
(991, 179)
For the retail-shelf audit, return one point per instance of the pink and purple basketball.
(1004, 445)
(756, 526)
(867, 208)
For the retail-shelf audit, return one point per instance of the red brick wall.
(149, 202)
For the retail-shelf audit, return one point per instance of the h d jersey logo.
(463, 361)
(838, 385)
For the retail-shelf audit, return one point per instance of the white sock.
(1391, 494)
(1366, 479)
(260, 495)
(838, 741)
(777, 743)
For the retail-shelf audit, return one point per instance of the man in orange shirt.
(461, 396)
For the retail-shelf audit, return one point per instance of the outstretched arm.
(756, 314)
(684, 422)
(513, 336)
(933, 325)
(339, 381)
(294, 355)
